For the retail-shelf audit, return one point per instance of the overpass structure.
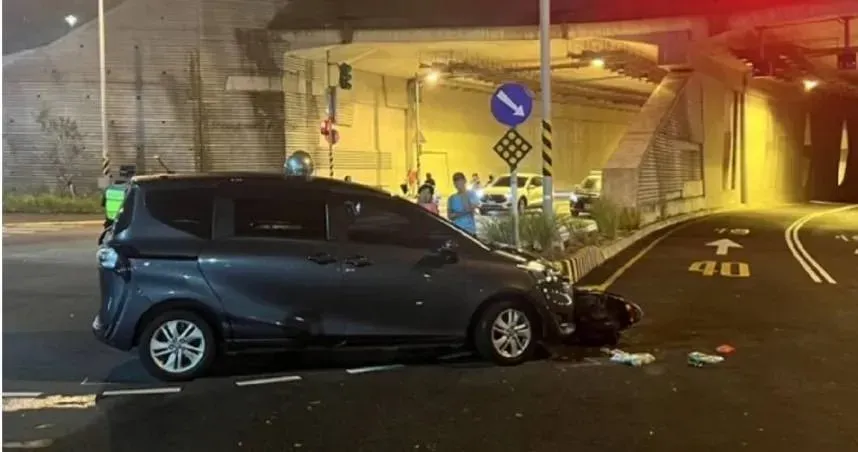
(681, 110)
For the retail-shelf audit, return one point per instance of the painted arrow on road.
(723, 246)
(518, 110)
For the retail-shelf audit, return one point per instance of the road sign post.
(511, 105)
(545, 81)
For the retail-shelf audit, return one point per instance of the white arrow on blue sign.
(512, 104)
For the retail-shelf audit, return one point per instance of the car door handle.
(358, 261)
(322, 258)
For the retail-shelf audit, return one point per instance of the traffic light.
(345, 76)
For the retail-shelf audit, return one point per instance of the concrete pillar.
(826, 128)
(849, 188)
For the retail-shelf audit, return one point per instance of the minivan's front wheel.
(506, 333)
(177, 346)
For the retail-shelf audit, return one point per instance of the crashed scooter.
(589, 317)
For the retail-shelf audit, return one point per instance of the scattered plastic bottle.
(631, 359)
(698, 359)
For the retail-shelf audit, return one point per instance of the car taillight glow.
(108, 258)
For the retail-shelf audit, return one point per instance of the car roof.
(189, 180)
(519, 175)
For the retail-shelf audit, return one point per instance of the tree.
(66, 147)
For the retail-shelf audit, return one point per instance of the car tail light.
(111, 259)
(108, 258)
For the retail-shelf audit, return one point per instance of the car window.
(504, 181)
(271, 217)
(592, 183)
(188, 209)
(536, 182)
(376, 221)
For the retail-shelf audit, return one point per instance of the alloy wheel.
(511, 333)
(177, 346)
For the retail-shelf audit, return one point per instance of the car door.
(395, 279)
(273, 263)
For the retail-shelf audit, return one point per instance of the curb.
(37, 224)
(580, 263)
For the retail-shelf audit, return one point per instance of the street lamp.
(432, 77)
(545, 82)
(105, 161)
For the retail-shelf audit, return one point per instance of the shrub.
(606, 214)
(537, 231)
(51, 203)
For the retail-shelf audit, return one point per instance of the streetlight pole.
(545, 78)
(418, 145)
(105, 157)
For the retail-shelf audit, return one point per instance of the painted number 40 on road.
(728, 269)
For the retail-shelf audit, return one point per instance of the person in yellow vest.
(114, 194)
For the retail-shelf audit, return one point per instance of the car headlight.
(533, 266)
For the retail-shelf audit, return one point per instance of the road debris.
(698, 359)
(725, 349)
(631, 359)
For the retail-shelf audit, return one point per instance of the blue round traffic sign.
(511, 104)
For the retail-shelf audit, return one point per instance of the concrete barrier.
(584, 260)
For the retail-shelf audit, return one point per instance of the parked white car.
(497, 196)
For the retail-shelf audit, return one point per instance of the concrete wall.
(752, 146)
(167, 67)
(460, 132)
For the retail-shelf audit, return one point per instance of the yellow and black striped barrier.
(105, 166)
(547, 149)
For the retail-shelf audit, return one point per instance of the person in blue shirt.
(463, 205)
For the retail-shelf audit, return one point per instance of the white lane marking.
(22, 394)
(363, 370)
(810, 265)
(86, 382)
(266, 381)
(119, 392)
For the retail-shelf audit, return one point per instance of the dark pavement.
(790, 385)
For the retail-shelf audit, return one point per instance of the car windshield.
(504, 181)
(591, 183)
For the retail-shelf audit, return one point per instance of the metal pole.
(105, 156)
(545, 77)
(330, 92)
(513, 205)
(418, 145)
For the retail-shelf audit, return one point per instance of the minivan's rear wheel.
(506, 333)
(177, 346)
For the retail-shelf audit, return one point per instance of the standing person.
(491, 179)
(426, 198)
(348, 179)
(475, 182)
(462, 206)
(410, 182)
(430, 180)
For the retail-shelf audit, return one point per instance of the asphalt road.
(790, 385)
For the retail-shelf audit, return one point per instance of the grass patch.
(51, 203)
